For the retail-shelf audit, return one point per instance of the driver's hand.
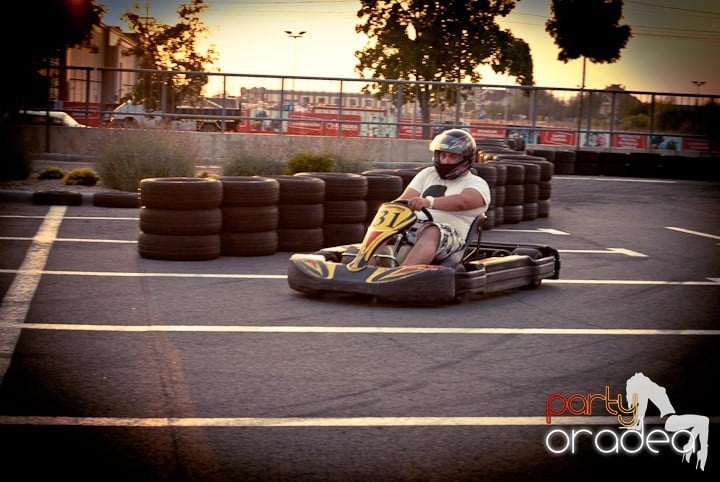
(418, 203)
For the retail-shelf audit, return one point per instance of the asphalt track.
(117, 368)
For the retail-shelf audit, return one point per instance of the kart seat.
(471, 243)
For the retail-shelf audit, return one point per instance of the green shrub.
(310, 162)
(135, 155)
(82, 176)
(51, 172)
(240, 163)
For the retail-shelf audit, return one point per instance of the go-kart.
(373, 267)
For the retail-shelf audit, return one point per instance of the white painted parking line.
(626, 252)
(18, 297)
(696, 233)
(615, 179)
(271, 422)
(73, 240)
(365, 330)
(710, 282)
(555, 232)
(94, 218)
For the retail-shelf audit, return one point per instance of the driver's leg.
(425, 247)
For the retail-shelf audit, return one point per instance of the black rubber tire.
(300, 216)
(57, 198)
(300, 189)
(179, 248)
(190, 222)
(247, 219)
(180, 193)
(261, 243)
(341, 185)
(250, 190)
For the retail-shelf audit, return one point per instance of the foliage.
(51, 172)
(310, 162)
(164, 47)
(240, 163)
(432, 41)
(136, 155)
(81, 176)
(588, 28)
(54, 27)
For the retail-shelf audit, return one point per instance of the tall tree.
(437, 41)
(164, 47)
(588, 29)
(51, 29)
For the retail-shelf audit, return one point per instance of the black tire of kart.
(300, 189)
(531, 253)
(336, 234)
(300, 240)
(259, 243)
(382, 186)
(180, 193)
(179, 248)
(250, 190)
(190, 222)
(341, 185)
(57, 198)
(300, 216)
(345, 211)
(116, 199)
(246, 219)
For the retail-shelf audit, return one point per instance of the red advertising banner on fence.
(77, 110)
(629, 141)
(319, 124)
(558, 138)
(484, 131)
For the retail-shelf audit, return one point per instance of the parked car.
(40, 117)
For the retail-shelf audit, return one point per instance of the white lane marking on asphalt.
(615, 179)
(74, 240)
(119, 274)
(626, 252)
(271, 422)
(410, 330)
(111, 218)
(688, 231)
(16, 302)
(556, 232)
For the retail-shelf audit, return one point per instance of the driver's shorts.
(450, 239)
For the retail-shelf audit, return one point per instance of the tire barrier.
(58, 198)
(300, 213)
(249, 216)
(180, 218)
(345, 206)
(382, 187)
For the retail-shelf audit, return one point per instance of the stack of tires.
(514, 192)
(488, 172)
(180, 218)
(382, 188)
(345, 206)
(249, 216)
(300, 213)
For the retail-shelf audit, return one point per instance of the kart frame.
(373, 268)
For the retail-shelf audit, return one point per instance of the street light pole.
(294, 36)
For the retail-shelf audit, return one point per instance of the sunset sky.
(673, 43)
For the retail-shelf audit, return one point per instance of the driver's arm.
(468, 198)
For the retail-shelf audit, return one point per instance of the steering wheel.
(424, 210)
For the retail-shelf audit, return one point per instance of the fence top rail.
(529, 88)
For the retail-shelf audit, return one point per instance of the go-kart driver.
(453, 195)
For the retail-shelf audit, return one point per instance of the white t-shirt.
(428, 183)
